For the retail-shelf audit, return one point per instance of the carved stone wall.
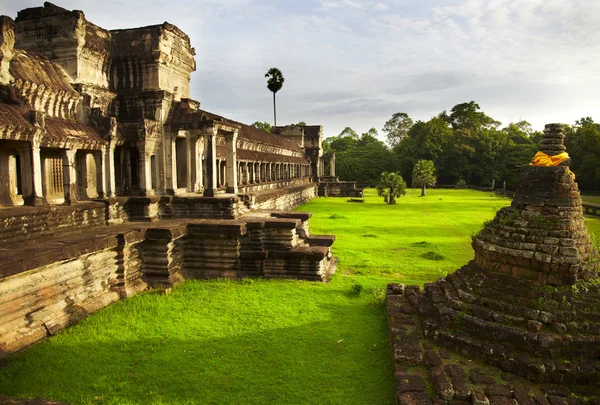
(21, 223)
(38, 303)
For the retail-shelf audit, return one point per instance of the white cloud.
(356, 62)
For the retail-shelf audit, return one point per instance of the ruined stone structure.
(519, 324)
(112, 179)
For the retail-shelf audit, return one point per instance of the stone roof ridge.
(246, 131)
(165, 25)
(553, 140)
(48, 9)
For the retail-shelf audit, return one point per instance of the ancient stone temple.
(519, 324)
(310, 138)
(112, 179)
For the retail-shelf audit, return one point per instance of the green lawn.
(264, 342)
(594, 199)
(392, 241)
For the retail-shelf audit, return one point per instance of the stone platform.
(52, 282)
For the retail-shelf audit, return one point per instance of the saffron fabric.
(541, 159)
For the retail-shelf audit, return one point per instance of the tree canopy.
(465, 145)
(391, 186)
(274, 83)
(265, 126)
(397, 127)
(423, 175)
(360, 158)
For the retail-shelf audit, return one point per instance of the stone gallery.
(112, 179)
(519, 324)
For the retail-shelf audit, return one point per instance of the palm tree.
(274, 84)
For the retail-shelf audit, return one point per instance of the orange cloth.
(541, 159)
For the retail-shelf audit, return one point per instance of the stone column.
(332, 165)
(190, 159)
(210, 189)
(173, 182)
(69, 176)
(231, 162)
(26, 178)
(36, 197)
(101, 172)
(109, 168)
(145, 169)
(197, 153)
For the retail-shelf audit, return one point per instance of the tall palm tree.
(274, 84)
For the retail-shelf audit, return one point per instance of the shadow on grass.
(274, 366)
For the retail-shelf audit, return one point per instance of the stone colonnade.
(257, 172)
(33, 174)
(186, 161)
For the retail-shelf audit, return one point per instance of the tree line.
(465, 145)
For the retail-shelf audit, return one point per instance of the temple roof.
(184, 115)
(15, 115)
(62, 129)
(28, 67)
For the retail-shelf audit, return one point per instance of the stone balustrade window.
(52, 178)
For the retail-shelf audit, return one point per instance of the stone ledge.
(38, 253)
(321, 240)
(303, 216)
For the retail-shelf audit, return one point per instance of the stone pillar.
(173, 160)
(231, 162)
(109, 168)
(332, 165)
(69, 176)
(210, 189)
(145, 170)
(8, 178)
(190, 163)
(101, 172)
(36, 197)
(197, 148)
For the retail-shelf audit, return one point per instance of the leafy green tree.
(468, 116)
(360, 158)
(583, 145)
(390, 187)
(274, 83)
(301, 124)
(348, 132)
(397, 127)
(426, 140)
(265, 126)
(423, 175)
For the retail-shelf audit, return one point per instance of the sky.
(356, 62)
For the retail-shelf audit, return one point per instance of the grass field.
(594, 199)
(265, 342)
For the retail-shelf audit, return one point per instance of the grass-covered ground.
(265, 342)
(594, 199)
